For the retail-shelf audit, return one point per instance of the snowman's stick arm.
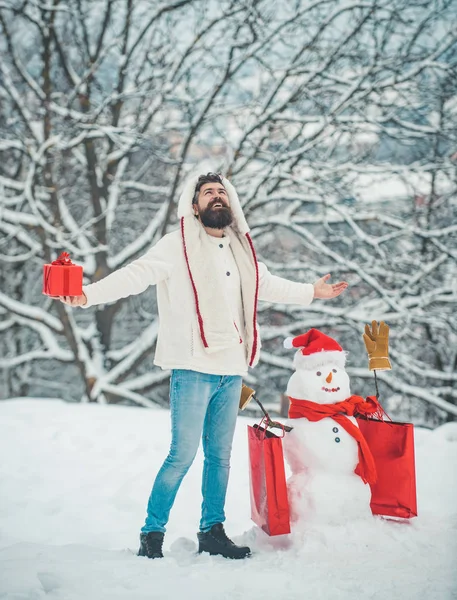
(376, 385)
(269, 422)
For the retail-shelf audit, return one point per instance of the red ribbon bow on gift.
(64, 260)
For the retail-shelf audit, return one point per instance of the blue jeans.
(198, 403)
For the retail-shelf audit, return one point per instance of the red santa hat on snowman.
(315, 349)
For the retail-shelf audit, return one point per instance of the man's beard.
(216, 218)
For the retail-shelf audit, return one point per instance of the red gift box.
(62, 277)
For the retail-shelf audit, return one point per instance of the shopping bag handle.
(269, 422)
(283, 427)
(262, 428)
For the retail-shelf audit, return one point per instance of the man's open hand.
(74, 300)
(325, 290)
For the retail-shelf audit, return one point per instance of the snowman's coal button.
(337, 440)
(335, 430)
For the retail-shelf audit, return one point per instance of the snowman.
(329, 459)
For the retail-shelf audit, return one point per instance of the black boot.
(215, 541)
(151, 544)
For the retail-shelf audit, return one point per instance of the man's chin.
(213, 225)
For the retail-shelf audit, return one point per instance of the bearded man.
(208, 284)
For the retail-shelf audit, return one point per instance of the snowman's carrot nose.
(328, 379)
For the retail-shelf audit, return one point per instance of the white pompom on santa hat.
(315, 349)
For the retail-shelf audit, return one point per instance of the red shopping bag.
(392, 446)
(269, 502)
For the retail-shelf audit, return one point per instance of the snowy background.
(75, 481)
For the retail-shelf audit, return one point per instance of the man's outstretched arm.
(151, 268)
(278, 289)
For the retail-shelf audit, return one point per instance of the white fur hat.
(187, 195)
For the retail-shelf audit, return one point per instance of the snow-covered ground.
(75, 479)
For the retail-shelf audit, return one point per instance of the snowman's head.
(325, 383)
(320, 374)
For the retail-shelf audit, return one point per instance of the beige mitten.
(377, 344)
(246, 396)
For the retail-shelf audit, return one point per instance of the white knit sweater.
(179, 345)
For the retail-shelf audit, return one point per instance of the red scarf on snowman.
(352, 406)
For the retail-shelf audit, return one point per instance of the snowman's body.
(322, 455)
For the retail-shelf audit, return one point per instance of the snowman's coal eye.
(334, 370)
(318, 373)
